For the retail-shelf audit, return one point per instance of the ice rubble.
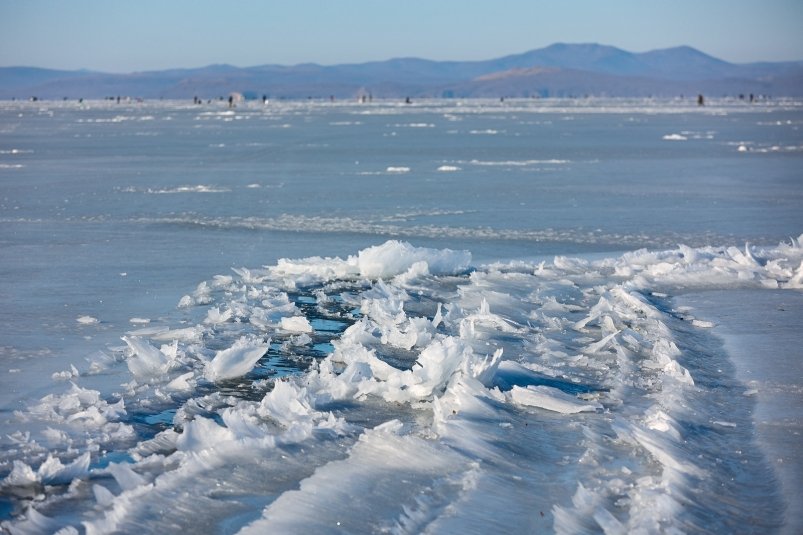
(50, 472)
(236, 360)
(583, 341)
(145, 360)
(381, 261)
(551, 399)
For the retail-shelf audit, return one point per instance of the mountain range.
(559, 70)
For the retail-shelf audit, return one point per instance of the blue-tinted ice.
(334, 380)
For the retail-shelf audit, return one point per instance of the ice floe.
(236, 360)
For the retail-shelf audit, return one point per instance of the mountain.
(557, 70)
(24, 77)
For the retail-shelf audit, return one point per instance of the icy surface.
(574, 393)
(237, 360)
(551, 399)
(352, 367)
(763, 339)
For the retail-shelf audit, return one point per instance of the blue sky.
(117, 36)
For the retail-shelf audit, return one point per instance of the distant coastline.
(559, 70)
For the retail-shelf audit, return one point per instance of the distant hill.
(557, 70)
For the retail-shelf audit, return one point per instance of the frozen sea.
(568, 316)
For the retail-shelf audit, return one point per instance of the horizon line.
(89, 70)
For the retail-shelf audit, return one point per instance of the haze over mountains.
(559, 70)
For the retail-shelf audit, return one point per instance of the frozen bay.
(113, 215)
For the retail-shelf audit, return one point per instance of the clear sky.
(126, 36)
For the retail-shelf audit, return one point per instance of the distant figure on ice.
(231, 101)
(700, 100)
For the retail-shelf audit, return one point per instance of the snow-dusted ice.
(495, 320)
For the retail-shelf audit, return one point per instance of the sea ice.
(394, 257)
(422, 341)
(551, 399)
(297, 324)
(145, 361)
(237, 360)
(50, 472)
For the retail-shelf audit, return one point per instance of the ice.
(381, 261)
(35, 522)
(298, 324)
(237, 360)
(287, 405)
(66, 374)
(382, 226)
(762, 341)
(551, 399)
(103, 496)
(397, 170)
(516, 163)
(723, 423)
(394, 257)
(145, 361)
(165, 334)
(182, 383)
(441, 371)
(79, 406)
(411, 382)
(203, 434)
(384, 460)
(50, 472)
(215, 316)
(675, 137)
